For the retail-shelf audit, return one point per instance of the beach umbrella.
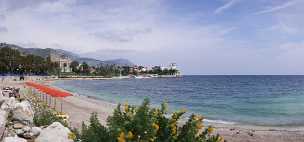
(52, 92)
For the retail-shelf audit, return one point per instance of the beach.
(79, 109)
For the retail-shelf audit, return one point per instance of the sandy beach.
(79, 109)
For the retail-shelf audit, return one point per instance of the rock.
(23, 112)
(28, 135)
(14, 139)
(19, 132)
(9, 104)
(2, 98)
(56, 132)
(18, 126)
(26, 128)
(3, 120)
(250, 134)
(36, 131)
(3, 117)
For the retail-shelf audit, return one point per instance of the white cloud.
(278, 7)
(137, 26)
(146, 32)
(226, 6)
(283, 28)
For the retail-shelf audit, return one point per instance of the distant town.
(70, 68)
(13, 60)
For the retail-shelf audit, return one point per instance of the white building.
(173, 66)
(63, 62)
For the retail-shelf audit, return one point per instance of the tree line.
(14, 62)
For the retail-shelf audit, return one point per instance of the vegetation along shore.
(21, 61)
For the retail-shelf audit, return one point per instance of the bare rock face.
(9, 104)
(3, 118)
(19, 132)
(14, 139)
(2, 98)
(36, 131)
(23, 112)
(56, 132)
(18, 126)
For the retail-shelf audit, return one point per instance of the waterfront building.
(63, 62)
(173, 66)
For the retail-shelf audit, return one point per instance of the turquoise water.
(255, 100)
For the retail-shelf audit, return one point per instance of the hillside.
(46, 52)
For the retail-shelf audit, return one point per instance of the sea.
(249, 99)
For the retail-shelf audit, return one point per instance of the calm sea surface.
(256, 100)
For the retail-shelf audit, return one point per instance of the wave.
(219, 121)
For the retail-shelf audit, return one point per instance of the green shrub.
(145, 124)
(47, 117)
(95, 132)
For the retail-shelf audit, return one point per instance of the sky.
(208, 37)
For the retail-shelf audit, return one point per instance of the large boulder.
(14, 139)
(36, 131)
(9, 104)
(56, 132)
(2, 98)
(23, 112)
(3, 117)
(3, 120)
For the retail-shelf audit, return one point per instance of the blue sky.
(202, 36)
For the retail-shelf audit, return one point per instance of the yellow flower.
(126, 107)
(174, 130)
(155, 126)
(130, 135)
(121, 137)
(199, 125)
(198, 118)
(210, 129)
(71, 136)
(221, 139)
(156, 112)
(173, 124)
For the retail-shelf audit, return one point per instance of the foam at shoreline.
(219, 122)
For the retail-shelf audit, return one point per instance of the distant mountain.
(46, 52)
(122, 62)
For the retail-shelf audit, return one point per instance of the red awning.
(48, 90)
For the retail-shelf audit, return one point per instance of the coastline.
(79, 108)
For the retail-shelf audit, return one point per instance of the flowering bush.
(145, 124)
(45, 116)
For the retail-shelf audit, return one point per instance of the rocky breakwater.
(17, 125)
